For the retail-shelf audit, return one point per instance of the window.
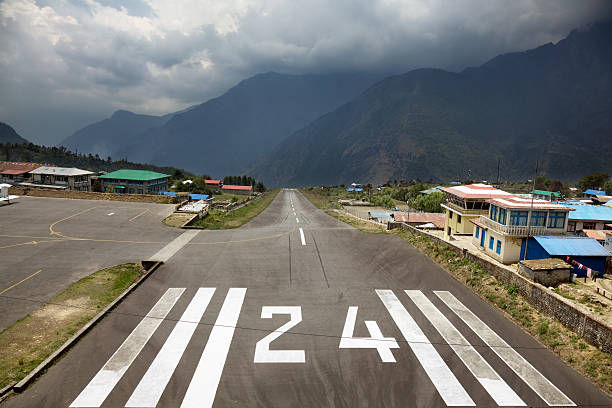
(459, 218)
(502, 216)
(538, 218)
(556, 219)
(491, 242)
(450, 215)
(518, 218)
(498, 250)
(477, 231)
(131, 191)
(588, 225)
(571, 226)
(493, 215)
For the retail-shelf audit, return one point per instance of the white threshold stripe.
(205, 381)
(297, 219)
(107, 378)
(532, 377)
(302, 237)
(497, 388)
(440, 375)
(152, 385)
(174, 246)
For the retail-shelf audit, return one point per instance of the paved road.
(297, 309)
(52, 242)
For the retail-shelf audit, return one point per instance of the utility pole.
(498, 161)
(531, 212)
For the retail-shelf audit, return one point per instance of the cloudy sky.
(67, 63)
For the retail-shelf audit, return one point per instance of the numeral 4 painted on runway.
(263, 354)
(376, 340)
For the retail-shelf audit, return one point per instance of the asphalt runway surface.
(296, 309)
(53, 242)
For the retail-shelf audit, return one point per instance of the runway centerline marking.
(107, 378)
(20, 282)
(302, 237)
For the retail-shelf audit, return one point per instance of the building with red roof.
(215, 183)
(237, 189)
(16, 172)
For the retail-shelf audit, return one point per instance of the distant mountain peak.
(9, 135)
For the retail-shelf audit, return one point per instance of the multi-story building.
(511, 219)
(69, 178)
(546, 195)
(588, 217)
(465, 203)
(134, 182)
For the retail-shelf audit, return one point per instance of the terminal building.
(134, 182)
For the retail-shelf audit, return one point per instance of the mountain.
(552, 104)
(225, 134)
(109, 136)
(8, 135)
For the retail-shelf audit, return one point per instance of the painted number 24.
(377, 341)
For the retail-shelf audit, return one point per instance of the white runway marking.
(484, 373)
(174, 246)
(205, 381)
(152, 385)
(297, 219)
(263, 354)
(532, 377)
(105, 380)
(302, 237)
(111, 214)
(440, 375)
(377, 341)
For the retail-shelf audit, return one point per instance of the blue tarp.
(200, 197)
(359, 189)
(350, 189)
(594, 192)
(168, 193)
(585, 212)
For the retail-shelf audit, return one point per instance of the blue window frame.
(502, 216)
(493, 215)
(498, 249)
(491, 242)
(518, 218)
(538, 218)
(556, 219)
(477, 231)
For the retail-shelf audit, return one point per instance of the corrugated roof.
(515, 202)
(594, 192)
(482, 191)
(19, 166)
(572, 246)
(378, 214)
(421, 218)
(595, 234)
(15, 171)
(212, 181)
(230, 187)
(140, 175)
(546, 193)
(60, 171)
(585, 212)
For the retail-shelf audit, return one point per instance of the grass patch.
(321, 198)
(29, 341)
(589, 361)
(363, 226)
(221, 219)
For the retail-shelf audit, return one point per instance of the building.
(67, 178)
(584, 250)
(510, 220)
(379, 216)
(435, 220)
(213, 183)
(590, 217)
(546, 195)
(16, 172)
(237, 189)
(431, 190)
(464, 203)
(134, 182)
(597, 235)
(592, 193)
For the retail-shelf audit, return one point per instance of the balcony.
(512, 230)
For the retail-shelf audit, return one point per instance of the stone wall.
(592, 329)
(547, 277)
(85, 195)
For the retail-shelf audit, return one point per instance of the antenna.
(498, 161)
(531, 211)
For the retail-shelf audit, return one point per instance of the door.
(482, 238)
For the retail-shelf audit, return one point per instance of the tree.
(608, 187)
(542, 183)
(593, 180)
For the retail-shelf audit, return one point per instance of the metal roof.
(584, 212)
(515, 202)
(572, 246)
(230, 187)
(595, 234)
(212, 181)
(15, 171)
(421, 218)
(378, 214)
(60, 171)
(140, 175)
(546, 193)
(594, 192)
(481, 191)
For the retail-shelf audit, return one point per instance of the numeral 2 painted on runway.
(263, 354)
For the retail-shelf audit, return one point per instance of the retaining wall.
(592, 329)
(89, 195)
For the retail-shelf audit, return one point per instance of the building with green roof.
(127, 181)
(546, 195)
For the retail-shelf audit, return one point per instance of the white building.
(500, 233)
(61, 178)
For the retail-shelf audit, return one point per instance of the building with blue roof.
(591, 193)
(380, 216)
(584, 250)
(584, 216)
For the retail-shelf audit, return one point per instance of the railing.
(514, 230)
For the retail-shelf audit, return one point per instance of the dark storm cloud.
(66, 63)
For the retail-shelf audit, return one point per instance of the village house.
(546, 195)
(16, 172)
(213, 183)
(465, 203)
(510, 220)
(588, 217)
(67, 178)
(237, 189)
(420, 220)
(134, 182)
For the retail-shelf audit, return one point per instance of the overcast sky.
(67, 63)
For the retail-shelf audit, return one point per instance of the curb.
(21, 385)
